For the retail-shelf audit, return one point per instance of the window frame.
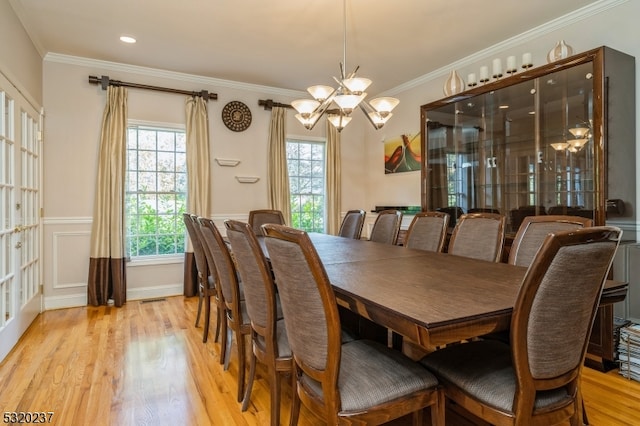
(154, 259)
(316, 141)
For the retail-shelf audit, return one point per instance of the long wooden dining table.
(431, 298)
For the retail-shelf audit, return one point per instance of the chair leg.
(240, 340)
(274, 385)
(227, 348)
(223, 340)
(199, 306)
(207, 317)
(295, 399)
(219, 319)
(252, 374)
(438, 410)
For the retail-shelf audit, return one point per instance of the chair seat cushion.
(372, 374)
(483, 369)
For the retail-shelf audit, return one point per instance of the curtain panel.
(198, 178)
(277, 172)
(333, 180)
(107, 271)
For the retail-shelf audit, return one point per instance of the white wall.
(20, 61)
(74, 111)
(612, 24)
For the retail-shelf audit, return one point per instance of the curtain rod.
(104, 81)
(270, 103)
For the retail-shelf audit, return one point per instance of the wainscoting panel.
(70, 259)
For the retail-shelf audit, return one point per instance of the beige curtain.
(198, 178)
(333, 180)
(277, 172)
(107, 272)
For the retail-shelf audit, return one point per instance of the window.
(156, 190)
(306, 162)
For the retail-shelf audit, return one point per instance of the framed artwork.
(402, 154)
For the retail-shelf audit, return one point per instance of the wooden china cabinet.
(555, 139)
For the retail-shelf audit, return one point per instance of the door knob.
(19, 244)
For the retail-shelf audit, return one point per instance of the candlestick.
(497, 68)
(471, 80)
(526, 60)
(484, 74)
(511, 65)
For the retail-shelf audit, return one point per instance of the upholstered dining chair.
(534, 230)
(428, 231)
(206, 282)
(259, 217)
(359, 382)
(237, 319)
(535, 380)
(478, 236)
(352, 223)
(269, 338)
(386, 227)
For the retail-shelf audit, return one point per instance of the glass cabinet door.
(523, 149)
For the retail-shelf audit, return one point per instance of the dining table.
(431, 298)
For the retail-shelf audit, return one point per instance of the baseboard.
(80, 299)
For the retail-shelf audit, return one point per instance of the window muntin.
(156, 190)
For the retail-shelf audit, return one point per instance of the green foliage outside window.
(155, 191)
(306, 167)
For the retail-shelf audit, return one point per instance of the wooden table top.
(431, 298)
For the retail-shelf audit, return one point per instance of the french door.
(20, 228)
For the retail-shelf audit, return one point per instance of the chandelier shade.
(320, 92)
(349, 95)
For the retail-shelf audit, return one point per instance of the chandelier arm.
(322, 108)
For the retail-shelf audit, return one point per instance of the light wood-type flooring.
(145, 364)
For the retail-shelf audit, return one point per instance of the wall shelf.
(227, 162)
(247, 179)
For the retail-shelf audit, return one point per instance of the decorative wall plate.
(236, 116)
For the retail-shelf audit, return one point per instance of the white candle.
(526, 60)
(511, 63)
(484, 73)
(471, 79)
(497, 68)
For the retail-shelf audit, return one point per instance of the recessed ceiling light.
(127, 39)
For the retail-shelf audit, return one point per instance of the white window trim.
(164, 259)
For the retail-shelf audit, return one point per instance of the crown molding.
(171, 75)
(546, 28)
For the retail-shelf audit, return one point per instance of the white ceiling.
(283, 43)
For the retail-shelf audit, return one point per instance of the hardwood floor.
(145, 364)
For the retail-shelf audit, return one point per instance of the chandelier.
(348, 96)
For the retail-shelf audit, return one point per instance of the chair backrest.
(225, 268)
(555, 309)
(428, 231)
(351, 226)
(259, 217)
(308, 305)
(386, 227)
(196, 243)
(255, 272)
(479, 236)
(534, 230)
